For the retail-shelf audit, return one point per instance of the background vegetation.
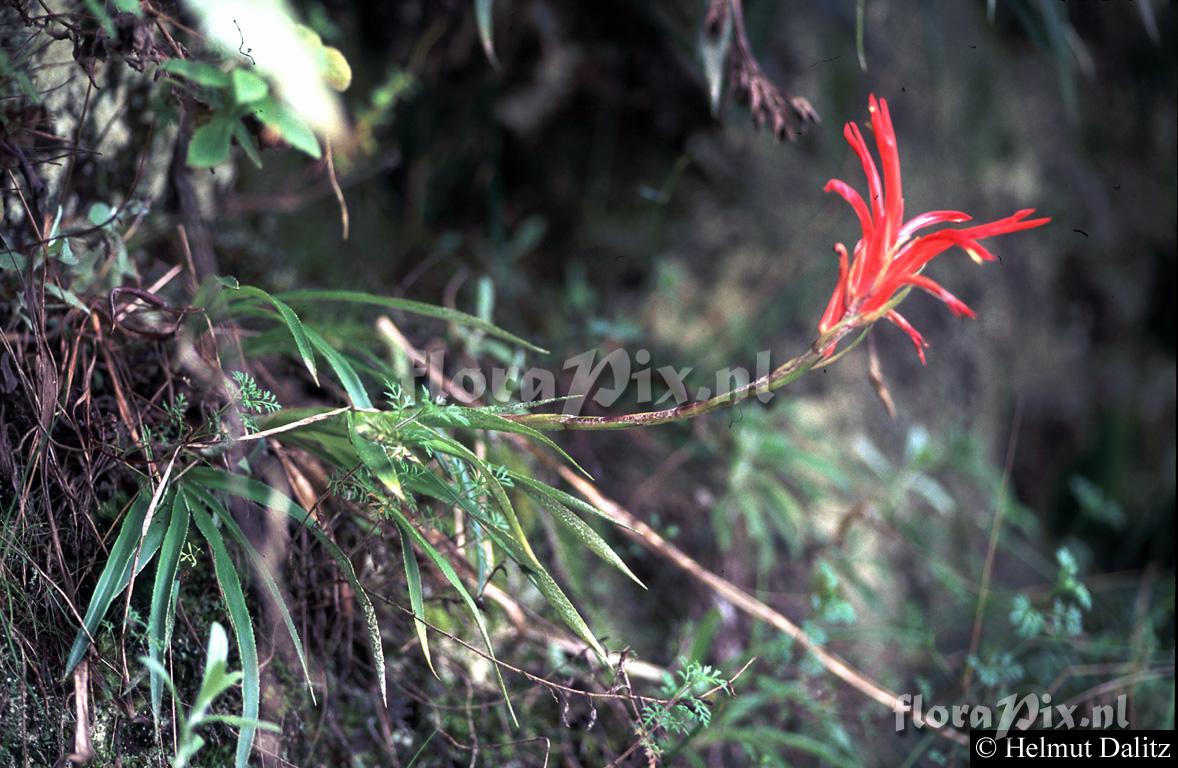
(1008, 531)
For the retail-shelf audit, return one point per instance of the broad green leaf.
(243, 628)
(297, 332)
(160, 617)
(247, 87)
(198, 72)
(238, 536)
(247, 144)
(338, 72)
(210, 143)
(101, 214)
(12, 260)
(116, 574)
(586, 535)
(260, 493)
(306, 297)
(416, 601)
(66, 295)
(289, 125)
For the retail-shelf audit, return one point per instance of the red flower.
(888, 259)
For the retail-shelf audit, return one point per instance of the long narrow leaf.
(343, 370)
(293, 323)
(561, 497)
(243, 628)
(305, 297)
(238, 536)
(160, 617)
(480, 418)
(117, 572)
(416, 600)
(586, 535)
(451, 576)
(260, 493)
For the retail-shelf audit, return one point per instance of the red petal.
(848, 193)
(1013, 223)
(958, 307)
(836, 307)
(874, 186)
(885, 140)
(913, 334)
(929, 219)
(921, 251)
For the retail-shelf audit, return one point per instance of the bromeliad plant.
(889, 257)
(395, 462)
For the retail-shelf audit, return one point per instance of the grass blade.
(586, 535)
(343, 370)
(117, 572)
(451, 576)
(480, 418)
(238, 536)
(243, 628)
(260, 493)
(293, 324)
(163, 605)
(413, 307)
(416, 601)
(538, 488)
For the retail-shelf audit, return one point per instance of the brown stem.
(782, 376)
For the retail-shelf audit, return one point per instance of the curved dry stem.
(782, 376)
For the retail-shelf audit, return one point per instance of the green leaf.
(523, 552)
(305, 297)
(565, 609)
(12, 260)
(483, 11)
(238, 536)
(163, 594)
(247, 87)
(445, 444)
(270, 498)
(198, 72)
(210, 143)
(567, 499)
(129, 6)
(66, 295)
(243, 628)
(416, 601)
(373, 455)
(451, 576)
(343, 370)
(480, 418)
(116, 574)
(246, 142)
(292, 323)
(289, 125)
(586, 535)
